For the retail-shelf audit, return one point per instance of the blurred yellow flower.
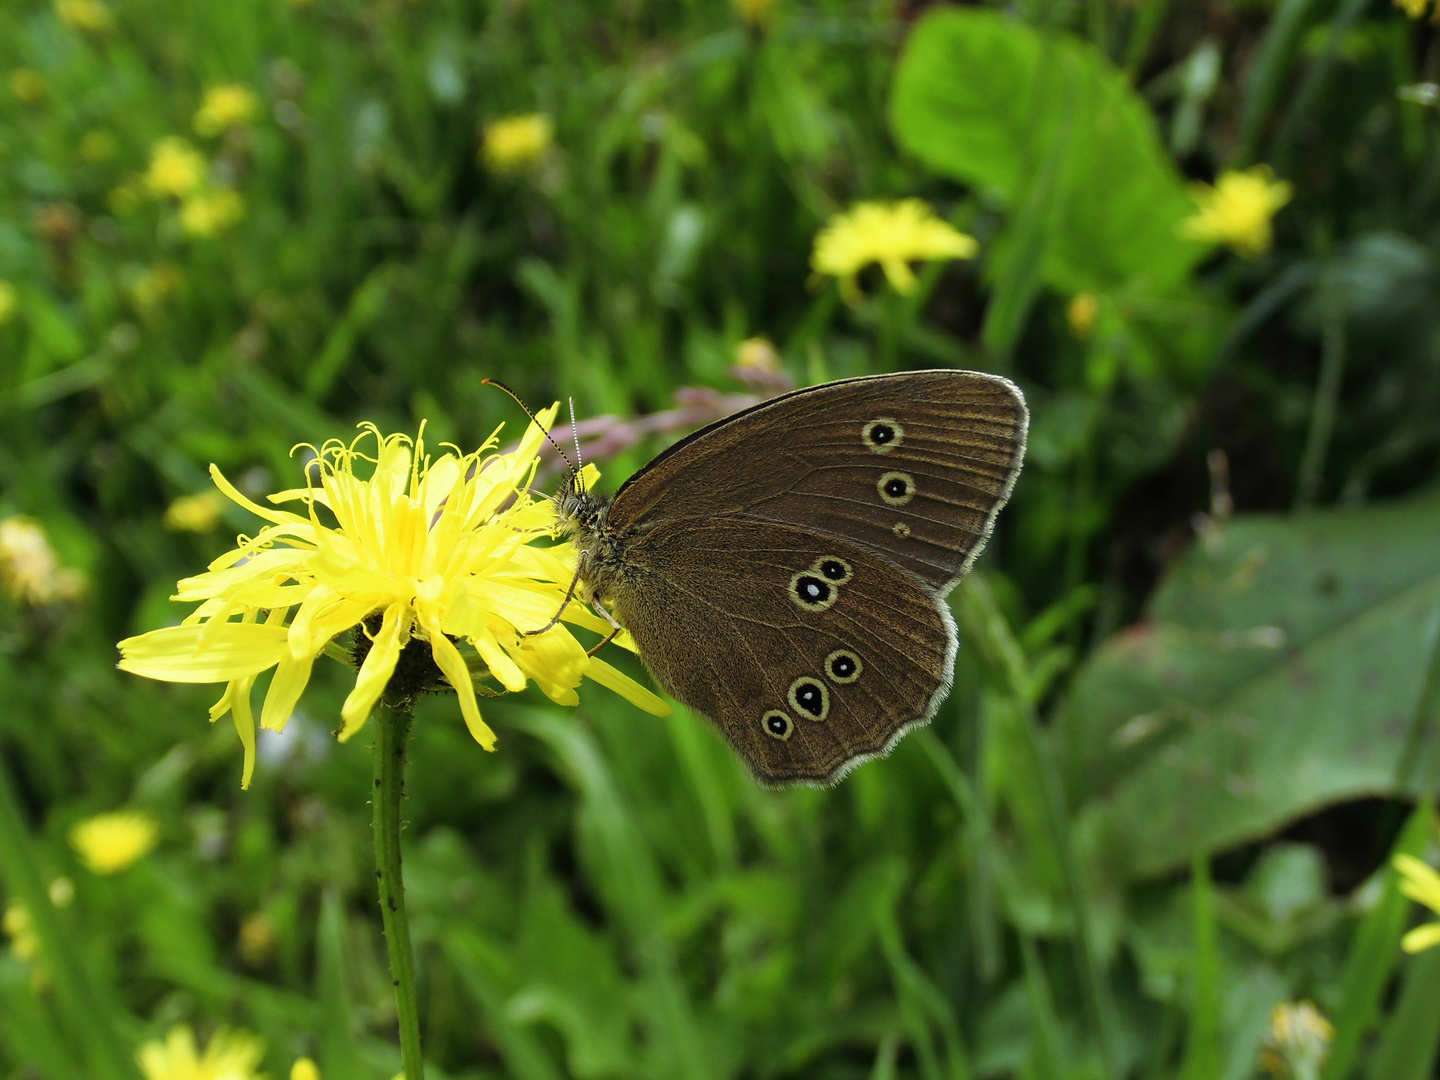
(198, 513)
(155, 285)
(1081, 313)
(230, 1055)
(207, 213)
(755, 12)
(1415, 8)
(62, 892)
(89, 15)
(225, 106)
(258, 938)
(97, 146)
(9, 301)
(424, 550)
(27, 85)
(759, 353)
(30, 571)
(304, 1069)
(1238, 209)
(20, 928)
(1298, 1041)
(176, 168)
(893, 234)
(109, 843)
(516, 142)
(1420, 883)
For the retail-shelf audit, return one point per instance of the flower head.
(423, 552)
(9, 301)
(892, 234)
(1298, 1041)
(89, 15)
(755, 12)
(229, 1055)
(109, 843)
(29, 569)
(224, 107)
(757, 353)
(1238, 209)
(1415, 8)
(1420, 883)
(195, 513)
(176, 168)
(1081, 314)
(206, 213)
(304, 1069)
(517, 142)
(27, 85)
(20, 928)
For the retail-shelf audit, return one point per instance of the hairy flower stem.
(392, 730)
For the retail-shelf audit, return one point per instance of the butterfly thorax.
(583, 517)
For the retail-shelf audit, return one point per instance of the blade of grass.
(1045, 1044)
(1408, 1045)
(1202, 1051)
(1375, 951)
(1313, 82)
(983, 622)
(922, 999)
(29, 1036)
(1267, 76)
(338, 1052)
(90, 1017)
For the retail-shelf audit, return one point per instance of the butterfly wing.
(811, 654)
(914, 466)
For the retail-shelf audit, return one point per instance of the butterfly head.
(582, 513)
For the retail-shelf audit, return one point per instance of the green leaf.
(1119, 197)
(1283, 667)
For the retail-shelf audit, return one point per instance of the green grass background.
(1181, 746)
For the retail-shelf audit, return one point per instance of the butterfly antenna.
(579, 457)
(516, 398)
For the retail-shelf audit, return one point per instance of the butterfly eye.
(833, 569)
(882, 435)
(809, 698)
(896, 488)
(843, 666)
(778, 725)
(812, 592)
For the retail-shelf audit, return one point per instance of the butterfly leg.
(569, 595)
(599, 609)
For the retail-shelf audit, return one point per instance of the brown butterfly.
(784, 570)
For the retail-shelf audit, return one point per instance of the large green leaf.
(1283, 667)
(980, 98)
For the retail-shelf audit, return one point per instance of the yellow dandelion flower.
(9, 302)
(755, 12)
(27, 85)
(109, 843)
(1420, 883)
(89, 15)
(230, 1055)
(176, 168)
(224, 107)
(155, 285)
(758, 353)
(30, 571)
(1081, 313)
(195, 513)
(304, 1069)
(211, 212)
(1298, 1041)
(1238, 209)
(891, 234)
(20, 928)
(517, 142)
(1414, 8)
(425, 550)
(98, 146)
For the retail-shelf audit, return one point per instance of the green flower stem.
(392, 730)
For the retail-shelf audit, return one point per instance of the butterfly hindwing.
(809, 653)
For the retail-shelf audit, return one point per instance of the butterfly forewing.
(912, 466)
(808, 652)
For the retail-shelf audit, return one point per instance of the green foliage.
(1193, 714)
